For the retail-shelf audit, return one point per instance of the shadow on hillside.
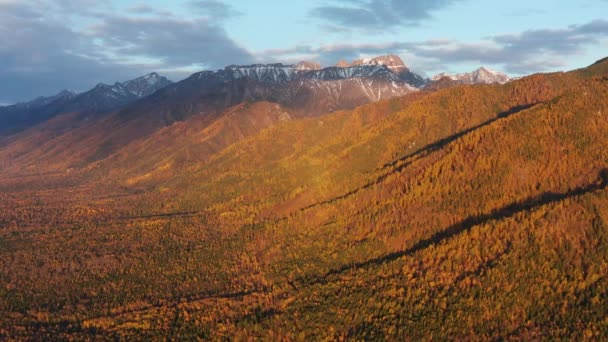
(421, 153)
(439, 144)
(466, 225)
(45, 330)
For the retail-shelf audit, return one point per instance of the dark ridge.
(605, 59)
(74, 326)
(422, 152)
(470, 222)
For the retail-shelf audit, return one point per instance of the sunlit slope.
(528, 158)
(598, 68)
(311, 160)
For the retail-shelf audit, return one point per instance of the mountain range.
(106, 118)
(102, 98)
(482, 75)
(305, 88)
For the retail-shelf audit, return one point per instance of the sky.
(50, 45)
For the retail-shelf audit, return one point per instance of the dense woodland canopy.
(472, 212)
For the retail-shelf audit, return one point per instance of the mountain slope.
(20, 116)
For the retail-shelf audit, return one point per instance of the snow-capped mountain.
(101, 98)
(304, 87)
(146, 85)
(273, 73)
(358, 71)
(482, 75)
(104, 97)
(307, 66)
(390, 68)
(391, 62)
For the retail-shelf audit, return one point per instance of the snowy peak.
(146, 85)
(307, 66)
(118, 90)
(138, 87)
(482, 75)
(389, 68)
(273, 73)
(487, 75)
(392, 62)
(342, 64)
(358, 71)
(105, 97)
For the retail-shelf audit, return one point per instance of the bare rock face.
(342, 64)
(391, 62)
(307, 66)
(482, 75)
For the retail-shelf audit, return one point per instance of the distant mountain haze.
(101, 98)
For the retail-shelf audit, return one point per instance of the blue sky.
(50, 45)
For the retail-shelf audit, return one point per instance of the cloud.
(39, 57)
(378, 14)
(521, 53)
(144, 9)
(53, 45)
(214, 9)
(172, 41)
(330, 54)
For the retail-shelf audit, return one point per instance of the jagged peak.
(488, 70)
(151, 77)
(392, 62)
(480, 75)
(300, 66)
(259, 65)
(389, 67)
(101, 85)
(601, 61)
(307, 66)
(342, 64)
(65, 92)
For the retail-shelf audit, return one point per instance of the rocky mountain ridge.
(483, 75)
